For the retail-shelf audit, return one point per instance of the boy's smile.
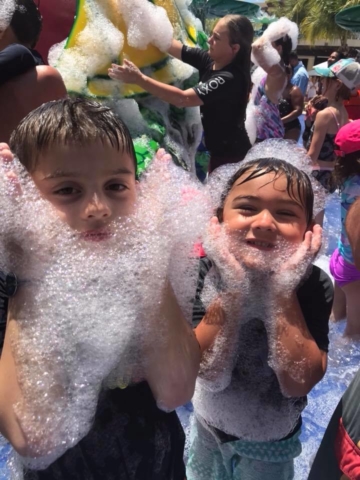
(89, 186)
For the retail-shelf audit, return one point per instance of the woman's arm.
(267, 57)
(129, 73)
(297, 102)
(175, 49)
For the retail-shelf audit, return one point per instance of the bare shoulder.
(50, 78)
(323, 117)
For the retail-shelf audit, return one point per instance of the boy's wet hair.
(298, 185)
(68, 122)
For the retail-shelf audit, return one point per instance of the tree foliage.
(316, 18)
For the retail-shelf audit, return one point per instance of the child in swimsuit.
(343, 269)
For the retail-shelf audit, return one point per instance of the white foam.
(146, 23)
(7, 9)
(92, 309)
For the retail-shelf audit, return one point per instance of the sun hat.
(347, 139)
(346, 70)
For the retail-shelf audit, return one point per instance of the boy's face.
(261, 216)
(89, 186)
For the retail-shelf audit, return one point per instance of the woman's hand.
(128, 72)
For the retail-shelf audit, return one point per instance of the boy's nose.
(264, 221)
(97, 208)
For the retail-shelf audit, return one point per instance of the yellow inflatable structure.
(108, 31)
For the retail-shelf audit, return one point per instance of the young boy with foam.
(74, 332)
(264, 335)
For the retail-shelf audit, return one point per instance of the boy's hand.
(216, 246)
(6, 159)
(293, 270)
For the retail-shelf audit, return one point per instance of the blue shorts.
(209, 459)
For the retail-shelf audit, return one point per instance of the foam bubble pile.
(7, 9)
(88, 311)
(109, 31)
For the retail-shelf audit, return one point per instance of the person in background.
(341, 78)
(25, 84)
(300, 76)
(311, 89)
(291, 106)
(222, 93)
(342, 265)
(338, 457)
(317, 103)
(336, 56)
(271, 52)
(17, 42)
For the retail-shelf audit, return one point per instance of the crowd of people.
(249, 357)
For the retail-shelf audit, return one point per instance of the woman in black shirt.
(222, 93)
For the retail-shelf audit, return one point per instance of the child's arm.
(172, 366)
(217, 335)
(10, 392)
(294, 354)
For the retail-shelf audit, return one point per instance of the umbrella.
(349, 18)
(219, 8)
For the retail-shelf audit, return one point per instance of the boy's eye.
(116, 187)
(246, 209)
(67, 191)
(287, 213)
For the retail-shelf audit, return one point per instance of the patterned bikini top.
(268, 120)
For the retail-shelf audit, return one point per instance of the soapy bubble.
(89, 308)
(7, 9)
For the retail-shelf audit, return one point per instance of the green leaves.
(316, 18)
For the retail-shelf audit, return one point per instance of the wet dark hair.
(286, 44)
(346, 167)
(298, 185)
(342, 52)
(26, 22)
(241, 32)
(69, 121)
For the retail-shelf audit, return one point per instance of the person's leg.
(292, 134)
(339, 305)
(249, 469)
(352, 293)
(205, 459)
